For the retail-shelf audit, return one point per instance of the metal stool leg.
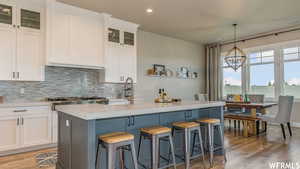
(193, 145)
(201, 143)
(187, 142)
(110, 156)
(222, 141)
(139, 148)
(122, 159)
(134, 158)
(211, 143)
(97, 156)
(172, 150)
(155, 152)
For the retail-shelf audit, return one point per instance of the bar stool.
(156, 134)
(210, 124)
(117, 141)
(188, 128)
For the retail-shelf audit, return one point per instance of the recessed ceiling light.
(149, 10)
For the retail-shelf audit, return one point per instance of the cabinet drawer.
(24, 110)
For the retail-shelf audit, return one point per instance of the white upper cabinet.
(22, 34)
(74, 36)
(120, 51)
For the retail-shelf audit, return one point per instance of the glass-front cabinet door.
(30, 19)
(6, 14)
(129, 38)
(113, 35)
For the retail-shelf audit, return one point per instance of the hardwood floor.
(242, 153)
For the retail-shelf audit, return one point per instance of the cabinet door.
(128, 64)
(9, 130)
(54, 126)
(57, 33)
(112, 62)
(7, 52)
(29, 66)
(36, 130)
(30, 45)
(7, 41)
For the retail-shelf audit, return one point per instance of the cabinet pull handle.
(18, 121)
(18, 75)
(129, 122)
(18, 111)
(22, 121)
(14, 75)
(133, 120)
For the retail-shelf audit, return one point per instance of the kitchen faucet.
(129, 90)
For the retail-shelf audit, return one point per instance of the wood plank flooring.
(242, 153)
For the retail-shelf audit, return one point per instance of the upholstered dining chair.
(283, 114)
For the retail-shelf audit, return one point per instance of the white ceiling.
(203, 21)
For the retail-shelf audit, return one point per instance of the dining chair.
(201, 97)
(256, 98)
(283, 114)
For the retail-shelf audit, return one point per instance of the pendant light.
(235, 58)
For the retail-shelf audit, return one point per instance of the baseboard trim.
(293, 124)
(27, 149)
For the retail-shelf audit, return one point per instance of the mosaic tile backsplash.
(59, 82)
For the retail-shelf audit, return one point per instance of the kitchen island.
(79, 126)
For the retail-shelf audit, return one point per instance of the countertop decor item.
(235, 58)
(159, 69)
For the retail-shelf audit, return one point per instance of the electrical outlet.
(22, 91)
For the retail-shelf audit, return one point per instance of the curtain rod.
(262, 36)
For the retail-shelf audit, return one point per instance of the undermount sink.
(118, 102)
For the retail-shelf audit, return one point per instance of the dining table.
(250, 120)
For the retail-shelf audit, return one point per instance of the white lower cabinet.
(23, 127)
(9, 133)
(54, 127)
(36, 130)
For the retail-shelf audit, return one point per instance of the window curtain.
(213, 72)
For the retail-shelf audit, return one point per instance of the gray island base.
(79, 126)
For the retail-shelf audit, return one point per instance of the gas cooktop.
(62, 99)
(76, 100)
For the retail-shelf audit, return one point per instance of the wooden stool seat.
(116, 137)
(209, 121)
(185, 125)
(156, 130)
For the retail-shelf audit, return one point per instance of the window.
(271, 70)
(232, 81)
(291, 58)
(261, 68)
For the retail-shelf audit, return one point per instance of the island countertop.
(99, 111)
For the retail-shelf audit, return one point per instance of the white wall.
(158, 49)
(267, 41)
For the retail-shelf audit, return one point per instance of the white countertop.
(99, 111)
(23, 104)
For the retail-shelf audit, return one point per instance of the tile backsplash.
(59, 82)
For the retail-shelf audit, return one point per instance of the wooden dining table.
(251, 120)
